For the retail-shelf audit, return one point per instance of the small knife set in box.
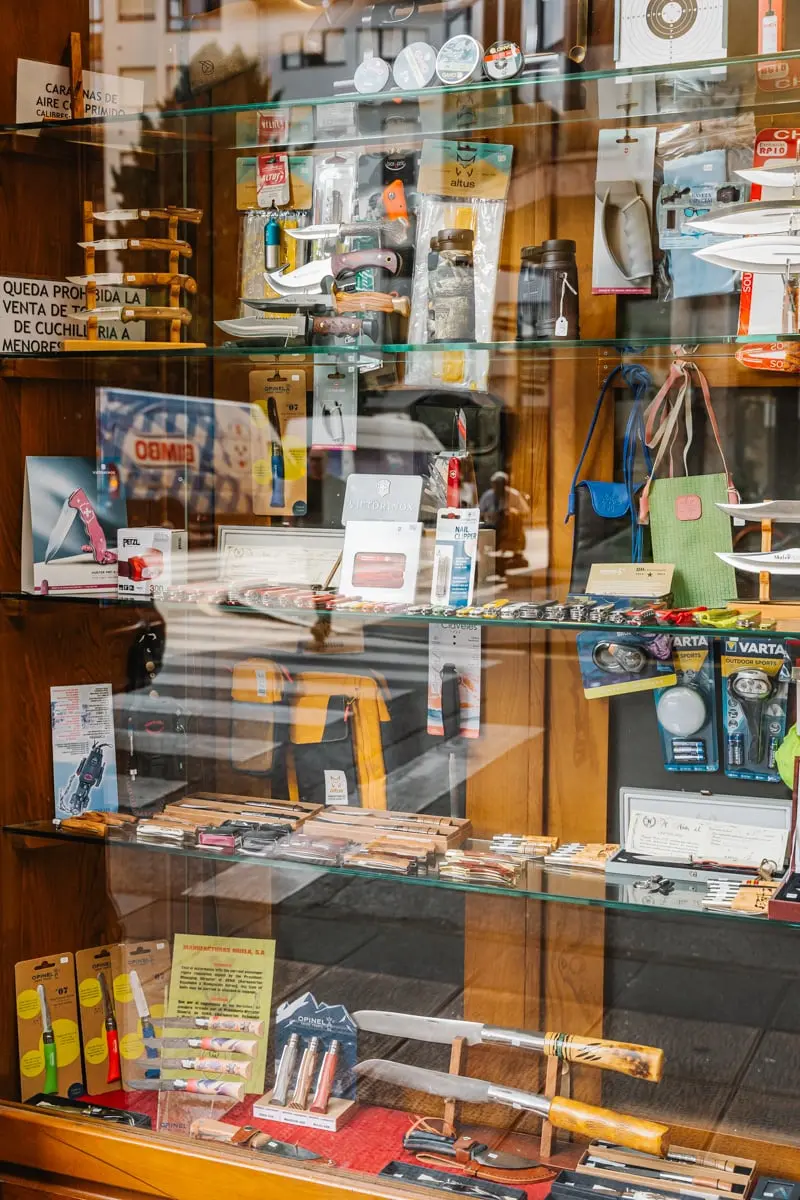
(682, 1171)
(705, 1175)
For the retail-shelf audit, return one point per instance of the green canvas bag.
(686, 526)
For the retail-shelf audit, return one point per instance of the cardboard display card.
(47, 1025)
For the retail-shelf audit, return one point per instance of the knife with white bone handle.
(125, 313)
(642, 1062)
(571, 1115)
(182, 248)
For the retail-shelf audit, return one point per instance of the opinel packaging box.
(46, 1001)
(140, 994)
(700, 1173)
(785, 904)
(96, 970)
(278, 442)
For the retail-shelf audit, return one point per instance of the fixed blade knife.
(421, 1141)
(126, 313)
(136, 279)
(760, 216)
(643, 1062)
(248, 1135)
(310, 276)
(570, 1115)
(785, 511)
(772, 254)
(776, 174)
(182, 248)
(193, 215)
(395, 231)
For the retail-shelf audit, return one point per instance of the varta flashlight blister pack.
(755, 690)
(687, 712)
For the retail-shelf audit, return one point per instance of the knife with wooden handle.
(642, 1062)
(192, 216)
(136, 279)
(178, 247)
(571, 1115)
(125, 313)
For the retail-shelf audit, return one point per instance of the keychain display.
(755, 690)
(687, 712)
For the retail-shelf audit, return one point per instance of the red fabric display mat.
(367, 1143)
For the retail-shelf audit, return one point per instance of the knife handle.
(182, 248)
(359, 260)
(112, 1041)
(642, 1062)
(192, 215)
(159, 279)
(50, 1065)
(420, 1140)
(591, 1122)
(336, 325)
(156, 313)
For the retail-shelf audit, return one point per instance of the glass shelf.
(711, 346)
(537, 882)
(642, 95)
(308, 616)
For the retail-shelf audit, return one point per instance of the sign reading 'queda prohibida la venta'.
(36, 315)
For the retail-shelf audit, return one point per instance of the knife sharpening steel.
(92, 341)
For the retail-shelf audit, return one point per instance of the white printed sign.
(37, 314)
(44, 93)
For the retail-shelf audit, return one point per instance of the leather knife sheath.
(475, 1159)
(625, 224)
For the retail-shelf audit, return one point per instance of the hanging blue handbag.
(606, 528)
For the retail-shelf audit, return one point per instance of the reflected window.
(181, 14)
(136, 10)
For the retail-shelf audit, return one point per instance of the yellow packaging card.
(222, 977)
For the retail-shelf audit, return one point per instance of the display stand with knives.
(173, 313)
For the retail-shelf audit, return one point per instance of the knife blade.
(785, 511)
(777, 174)
(193, 215)
(48, 1046)
(256, 328)
(779, 562)
(756, 217)
(248, 1135)
(310, 276)
(772, 254)
(643, 1062)
(182, 248)
(126, 313)
(565, 1114)
(60, 529)
(197, 1087)
(136, 279)
(143, 1010)
(112, 1036)
(395, 231)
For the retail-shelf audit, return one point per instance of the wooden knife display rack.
(93, 341)
(557, 1082)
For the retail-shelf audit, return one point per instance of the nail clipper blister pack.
(755, 690)
(687, 712)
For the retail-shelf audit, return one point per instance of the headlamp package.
(687, 712)
(612, 664)
(755, 691)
